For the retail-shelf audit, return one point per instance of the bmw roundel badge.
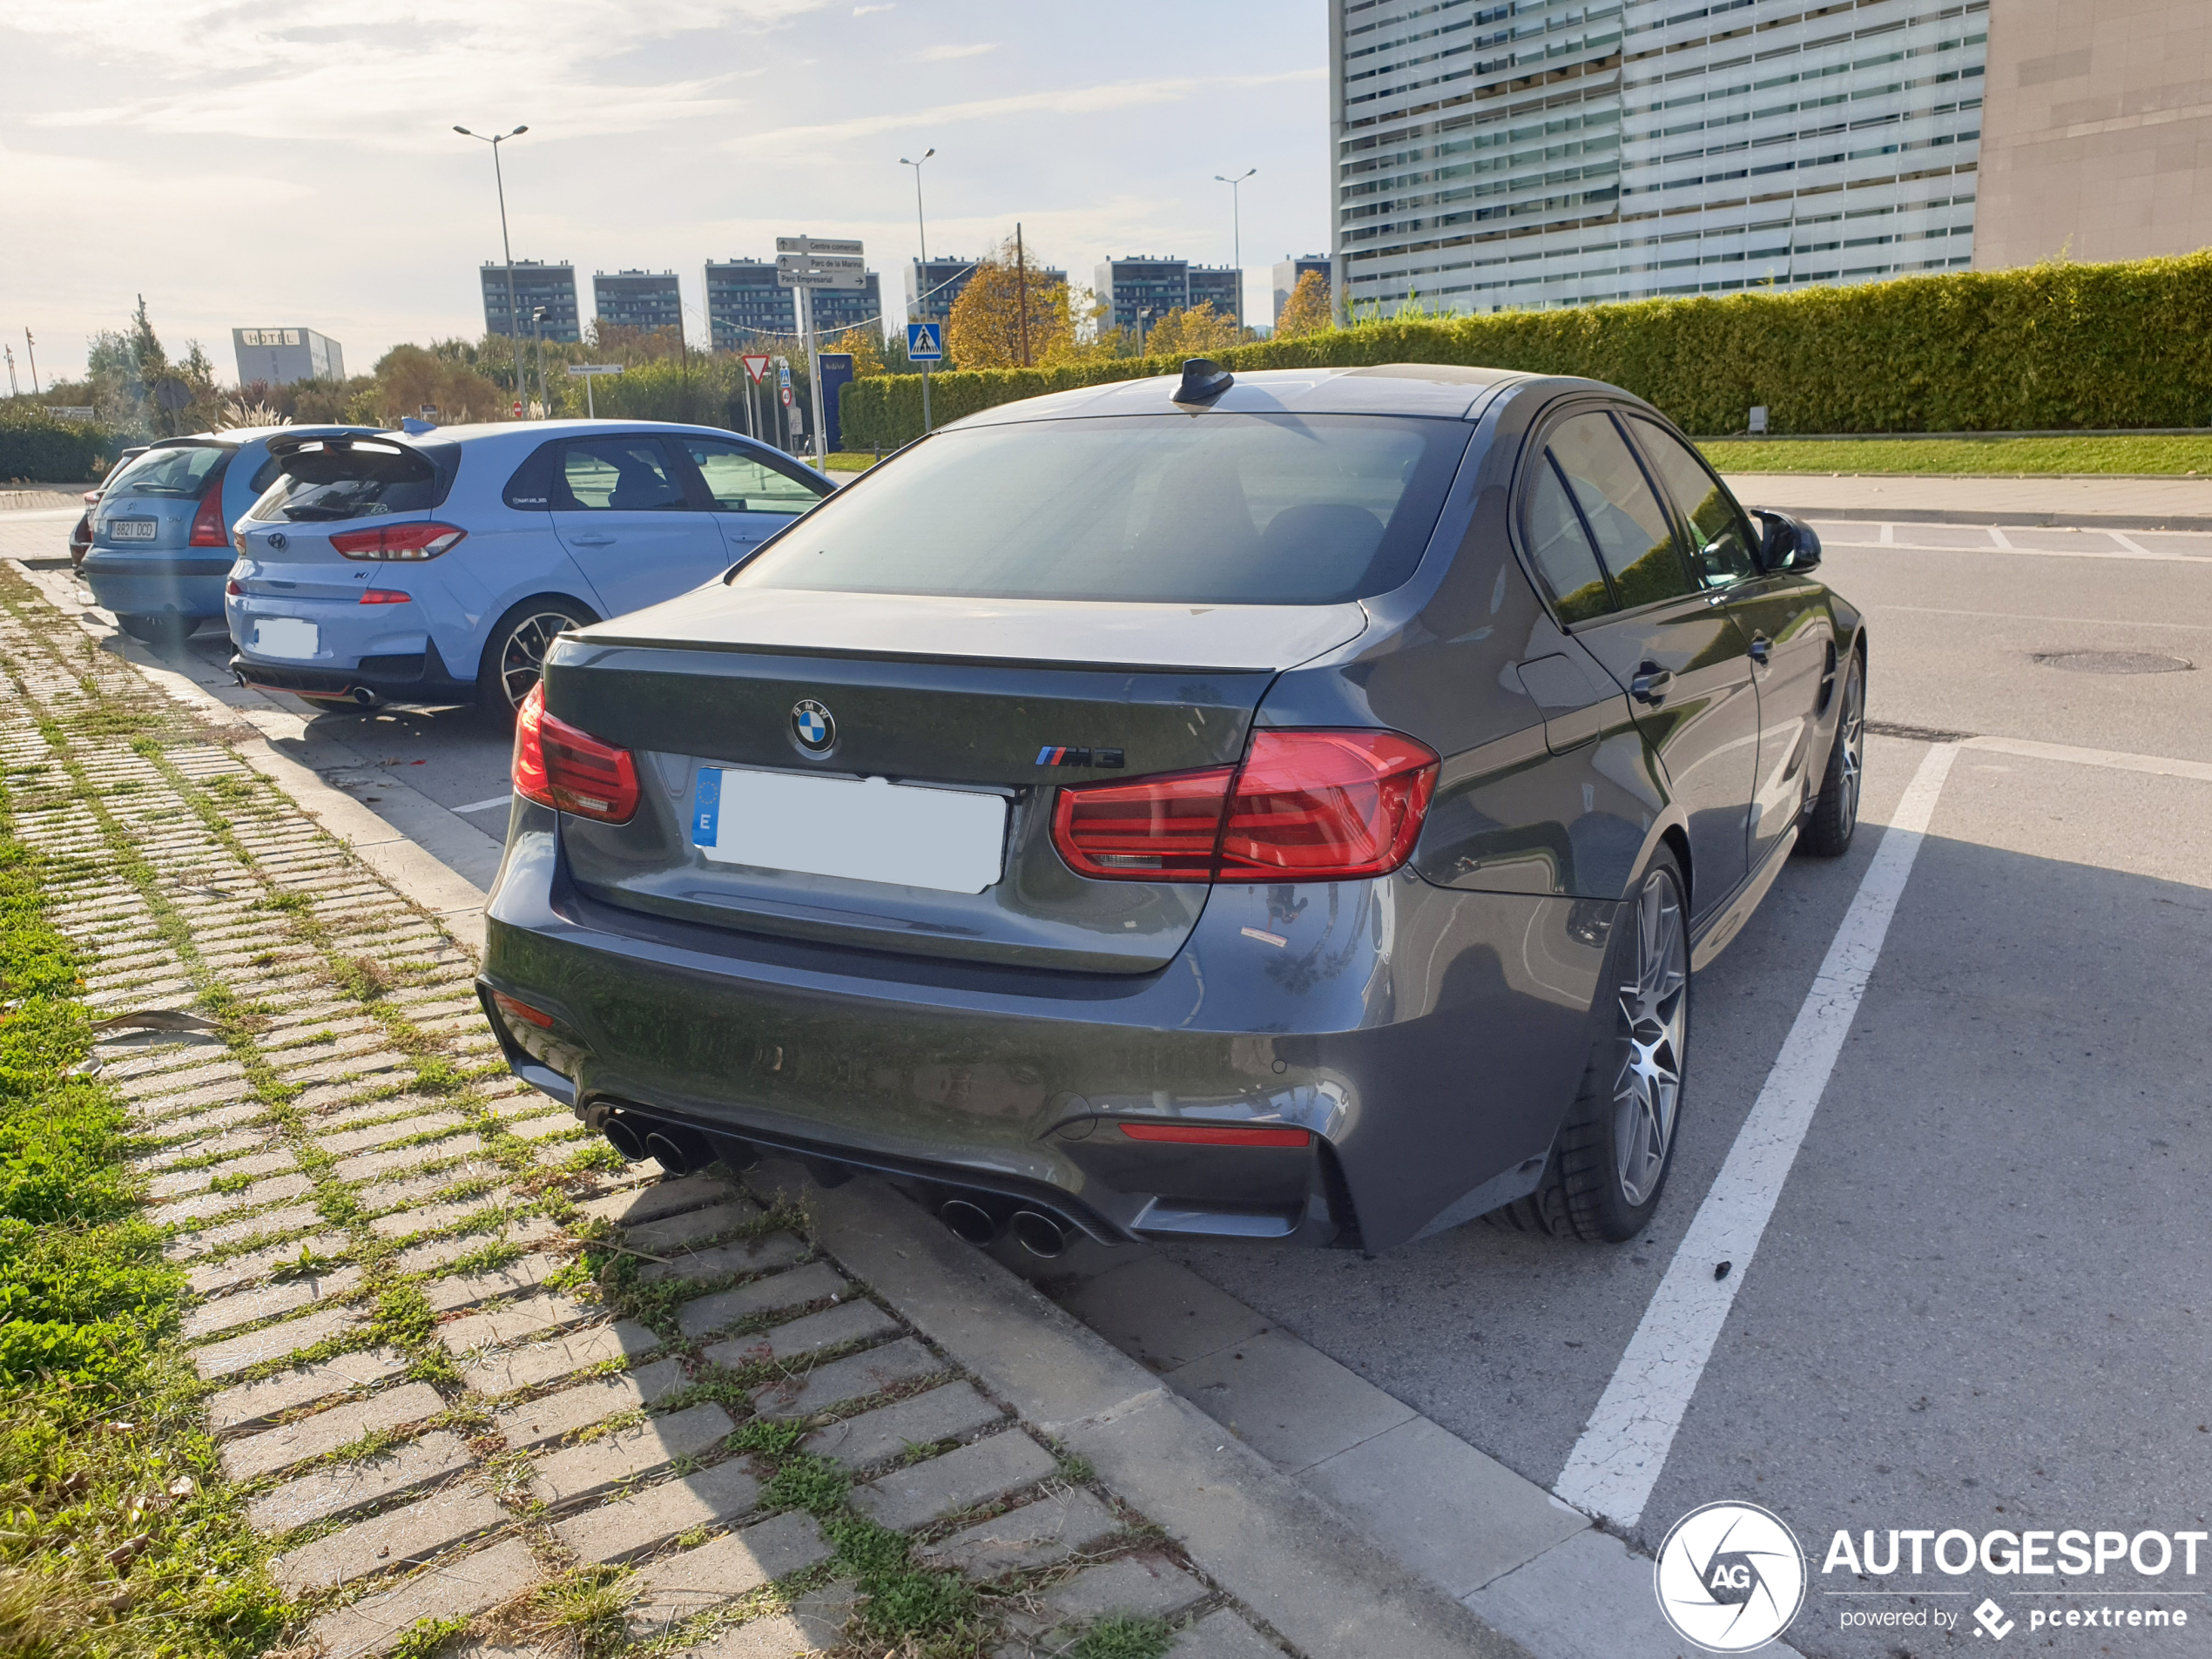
(812, 726)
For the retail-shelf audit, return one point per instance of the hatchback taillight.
(557, 765)
(408, 542)
(207, 527)
(1327, 805)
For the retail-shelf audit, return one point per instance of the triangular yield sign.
(756, 366)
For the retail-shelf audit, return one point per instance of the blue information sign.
(926, 342)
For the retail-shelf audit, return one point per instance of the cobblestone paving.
(485, 1389)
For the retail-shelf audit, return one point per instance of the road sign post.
(807, 263)
(587, 373)
(925, 344)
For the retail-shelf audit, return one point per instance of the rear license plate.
(287, 636)
(953, 840)
(133, 529)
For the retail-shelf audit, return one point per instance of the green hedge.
(43, 451)
(2047, 347)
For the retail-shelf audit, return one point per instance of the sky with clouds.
(244, 165)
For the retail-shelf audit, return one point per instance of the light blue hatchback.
(161, 530)
(437, 566)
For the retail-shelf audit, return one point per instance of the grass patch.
(1121, 1636)
(2002, 458)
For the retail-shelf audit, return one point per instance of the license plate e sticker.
(951, 841)
(287, 636)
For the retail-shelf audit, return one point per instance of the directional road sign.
(820, 262)
(816, 244)
(757, 367)
(582, 369)
(926, 342)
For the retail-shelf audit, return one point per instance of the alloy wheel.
(522, 654)
(1654, 1009)
(1853, 739)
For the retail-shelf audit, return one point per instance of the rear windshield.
(179, 473)
(1216, 509)
(356, 480)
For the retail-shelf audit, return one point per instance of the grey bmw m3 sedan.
(1286, 806)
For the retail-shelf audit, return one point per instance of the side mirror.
(1788, 544)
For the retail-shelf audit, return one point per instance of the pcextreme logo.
(1730, 1577)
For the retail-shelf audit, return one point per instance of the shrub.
(2050, 347)
(37, 448)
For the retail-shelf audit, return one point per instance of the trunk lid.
(150, 507)
(997, 701)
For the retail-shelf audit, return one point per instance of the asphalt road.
(1982, 1299)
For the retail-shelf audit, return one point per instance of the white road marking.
(2118, 761)
(486, 805)
(2033, 616)
(1616, 1462)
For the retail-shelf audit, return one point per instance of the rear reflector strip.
(1218, 1135)
(514, 1009)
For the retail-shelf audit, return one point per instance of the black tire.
(1834, 819)
(512, 655)
(1601, 1183)
(157, 628)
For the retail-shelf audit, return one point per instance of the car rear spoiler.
(442, 459)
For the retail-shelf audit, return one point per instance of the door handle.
(1651, 684)
(593, 541)
(1762, 648)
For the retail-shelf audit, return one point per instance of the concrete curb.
(1260, 1534)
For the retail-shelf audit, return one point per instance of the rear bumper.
(145, 584)
(1429, 1039)
(413, 676)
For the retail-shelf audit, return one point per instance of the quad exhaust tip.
(981, 1220)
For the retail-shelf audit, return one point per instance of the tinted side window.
(1561, 549)
(742, 482)
(1631, 531)
(531, 490)
(325, 480)
(622, 475)
(1721, 540)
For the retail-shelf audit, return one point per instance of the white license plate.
(953, 840)
(287, 636)
(133, 529)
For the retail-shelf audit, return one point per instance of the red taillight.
(557, 765)
(385, 596)
(514, 1009)
(410, 542)
(231, 587)
(1305, 805)
(528, 771)
(1217, 1135)
(207, 527)
(1163, 829)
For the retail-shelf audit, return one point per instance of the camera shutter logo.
(812, 726)
(1730, 1577)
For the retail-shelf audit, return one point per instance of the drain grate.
(2113, 662)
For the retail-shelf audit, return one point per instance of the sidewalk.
(465, 1368)
(2117, 502)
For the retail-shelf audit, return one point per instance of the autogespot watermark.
(1730, 1578)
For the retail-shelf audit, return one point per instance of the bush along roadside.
(416, 1363)
(2045, 348)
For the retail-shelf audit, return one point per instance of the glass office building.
(1547, 153)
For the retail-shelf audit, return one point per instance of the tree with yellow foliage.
(985, 330)
(866, 346)
(1307, 310)
(1195, 332)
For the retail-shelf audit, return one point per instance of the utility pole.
(921, 287)
(1236, 233)
(537, 327)
(506, 248)
(31, 345)
(11, 371)
(1021, 289)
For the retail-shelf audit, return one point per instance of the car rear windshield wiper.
(312, 514)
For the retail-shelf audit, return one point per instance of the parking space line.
(484, 805)
(1623, 1447)
(2160, 765)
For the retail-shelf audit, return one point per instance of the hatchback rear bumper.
(145, 584)
(415, 677)
(1429, 1040)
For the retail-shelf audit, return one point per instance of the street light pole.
(514, 314)
(921, 287)
(1236, 233)
(537, 327)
